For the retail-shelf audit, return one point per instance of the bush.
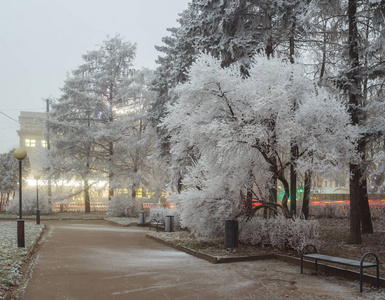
(29, 204)
(159, 214)
(122, 206)
(280, 232)
(205, 218)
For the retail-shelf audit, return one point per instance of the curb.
(210, 258)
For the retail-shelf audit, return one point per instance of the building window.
(149, 194)
(139, 193)
(30, 143)
(44, 144)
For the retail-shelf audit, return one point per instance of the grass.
(12, 257)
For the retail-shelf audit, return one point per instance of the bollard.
(231, 233)
(38, 216)
(20, 233)
(142, 218)
(169, 226)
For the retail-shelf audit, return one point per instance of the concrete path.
(95, 260)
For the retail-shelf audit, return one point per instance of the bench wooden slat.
(339, 260)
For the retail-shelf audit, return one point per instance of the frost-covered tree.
(29, 204)
(325, 29)
(362, 77)
(110, 73)
(9, 179)
(134, 161)
(238, 126)
(73, 124)
(349, 39)
(232, 31)
(83, 119)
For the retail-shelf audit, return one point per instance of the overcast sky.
(42, 40)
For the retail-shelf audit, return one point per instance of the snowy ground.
(11, 257)
(58, 216)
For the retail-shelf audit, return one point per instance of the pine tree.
(83, 118)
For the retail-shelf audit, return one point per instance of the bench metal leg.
(361, 267)
(302, 253)
(378, 276)
(301, 264)
(316, 265)
(361, 275)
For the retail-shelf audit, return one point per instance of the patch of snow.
(11, 256)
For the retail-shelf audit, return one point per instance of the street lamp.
(37, 177)
(20, 154)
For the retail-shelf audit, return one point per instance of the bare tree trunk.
(355, 93)
(249, 203)
(294, 147)
(355, 220)
(285, 198)
(366, 219)
(293, 180)
(110, 174)
(323, 64)
(269, 47)
(179, 185)
(306, 195)
(87, 202)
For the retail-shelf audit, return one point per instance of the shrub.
(159, 214)
(29, 204)
(122, 206)
(205, 218)
(280, 232)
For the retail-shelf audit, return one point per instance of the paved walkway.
(95, 260)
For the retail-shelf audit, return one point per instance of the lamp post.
(20, 154)
(37, 177)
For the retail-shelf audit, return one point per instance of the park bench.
(343, 261)
(157, 224)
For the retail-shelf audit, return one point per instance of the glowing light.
(70, 183)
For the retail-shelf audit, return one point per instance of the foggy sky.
(41, 41)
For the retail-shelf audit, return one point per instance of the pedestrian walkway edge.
(210, 258)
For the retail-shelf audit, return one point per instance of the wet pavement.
(96, 260)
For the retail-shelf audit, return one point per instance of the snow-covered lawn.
(57, 216)
(11, 257)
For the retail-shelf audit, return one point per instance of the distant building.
(33, 139)
(32, 131)
(32, 134)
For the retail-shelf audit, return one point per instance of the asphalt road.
(96, 260)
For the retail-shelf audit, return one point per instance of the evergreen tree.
(83, 118)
